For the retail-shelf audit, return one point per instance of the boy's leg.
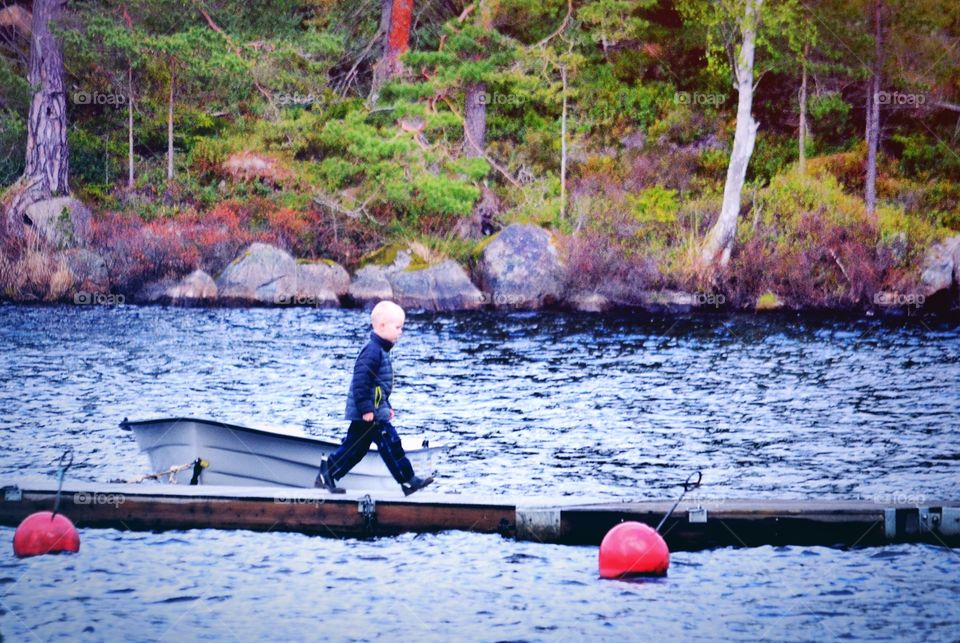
(391, 451)
(354, 447)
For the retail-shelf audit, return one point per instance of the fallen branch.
(840, 265)
(327, 201)
(466, 13)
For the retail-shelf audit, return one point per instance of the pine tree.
(46, 170)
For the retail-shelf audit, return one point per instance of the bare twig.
(351, 75)
(236, 49)
(561, 28)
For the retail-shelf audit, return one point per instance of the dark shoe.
(325, 480)
(415, 484)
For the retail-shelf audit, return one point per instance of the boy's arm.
(364, 378)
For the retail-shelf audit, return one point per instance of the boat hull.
(243, 456)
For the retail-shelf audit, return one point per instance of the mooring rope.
(62, 470)
(687, 486)
(198, 465)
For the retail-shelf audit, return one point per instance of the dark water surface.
(534, 404)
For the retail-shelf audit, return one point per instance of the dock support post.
(890, 523)
(539, 524)
(950, 521)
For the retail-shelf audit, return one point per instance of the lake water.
(533, 403)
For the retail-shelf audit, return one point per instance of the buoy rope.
(62, 469)
(687, 486)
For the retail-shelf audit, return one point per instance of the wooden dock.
(693, 526)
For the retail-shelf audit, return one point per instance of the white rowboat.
(242, 456)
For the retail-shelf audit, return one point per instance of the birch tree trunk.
(563, 146)
(130, 127)
(173, 82)
(873, 116)
(803, 114)
(719, 241)
(47, 155)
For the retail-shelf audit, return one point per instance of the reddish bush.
(137, 252)
(607, 254)
(594, 264)
(821, 264)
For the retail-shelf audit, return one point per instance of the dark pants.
(357, 443)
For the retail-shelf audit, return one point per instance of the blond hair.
(385, 310)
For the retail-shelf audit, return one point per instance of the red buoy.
(633, 549)
(45, 533)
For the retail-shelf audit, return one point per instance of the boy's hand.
(367, 417)
(391, 414)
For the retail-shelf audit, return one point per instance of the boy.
(369, 410)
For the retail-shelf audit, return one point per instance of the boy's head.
(387, 319)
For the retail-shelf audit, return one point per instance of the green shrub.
(829, 121)
(13, 142)
(655, 212)
(923, 158)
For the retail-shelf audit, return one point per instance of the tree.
(473, 56)
(195, 58)
(873, 110)
(913, 68)
(47, 156)
(475, 104)
(395, 19)
(111, 45)
(733, 36)
(719, 241)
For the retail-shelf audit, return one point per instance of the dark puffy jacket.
(372, 381)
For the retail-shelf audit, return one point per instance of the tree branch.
(561, 28)
(239, 54)
(473, 144)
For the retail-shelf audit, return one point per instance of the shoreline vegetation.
(513, 156)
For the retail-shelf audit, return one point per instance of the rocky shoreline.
(520, 268)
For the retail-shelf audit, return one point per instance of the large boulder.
(521, 268)
(324, 279)
(197, 287)
(87, 269)
(262, 273)
(940, 267)
(370, 285)
(402, 275)
(442, 287)
(63, 221)
(266, 274)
